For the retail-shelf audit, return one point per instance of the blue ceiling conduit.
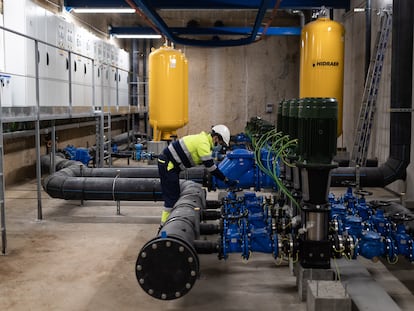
(401, 107)
(271, 31)
(212, 4)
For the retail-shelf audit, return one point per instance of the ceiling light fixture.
(102, 10)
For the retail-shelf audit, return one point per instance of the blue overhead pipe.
(271, 31)
(166, 31)
(215, 4)
(249, 4)
(148, 8)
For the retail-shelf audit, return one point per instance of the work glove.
(231, 183)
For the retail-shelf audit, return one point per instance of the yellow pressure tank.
(168, 92)
(322, 62)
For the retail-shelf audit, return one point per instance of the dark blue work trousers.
(170, 181)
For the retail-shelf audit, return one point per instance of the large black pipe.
(401, 103)
(78, 169)
(74, 181)
(63, 185)
(168, 266)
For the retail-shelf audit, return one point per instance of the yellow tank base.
(168, 136)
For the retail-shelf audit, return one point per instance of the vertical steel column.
(53, 153)
(134, 73)
(133, 89)
(117, 87)
(93, 84)
(37, 135)
(2, 196)
(70, 82)
(146, 43)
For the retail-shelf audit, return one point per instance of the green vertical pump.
(279, 124)
(317, 129)
(291, 172)
(293, 118)
(285, 117)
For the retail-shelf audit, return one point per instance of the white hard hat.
(223, 131)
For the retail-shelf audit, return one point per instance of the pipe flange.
(167, 268)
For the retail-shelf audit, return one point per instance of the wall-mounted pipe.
(401, 105)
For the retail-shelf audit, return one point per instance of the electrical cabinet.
(1, 44)
(73, 66)
(15, 51)
(57, 59)
(123, 82)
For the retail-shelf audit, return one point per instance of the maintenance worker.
(187, 152)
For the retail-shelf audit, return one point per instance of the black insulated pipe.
(209, 229)
(168, 266)
(78, 169)
(74, 181)
(206, 247)
(401, 104)
(210, 214)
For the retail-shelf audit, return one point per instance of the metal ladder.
(369, 100)
(103, 152)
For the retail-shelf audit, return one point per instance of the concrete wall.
(20, 152)
(231, 85)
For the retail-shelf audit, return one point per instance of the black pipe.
(213, 204)
(74, 181)
(63, 186)
(149, 171)
(209, 229)
(206, 247)
(168, 266)
(210, 214)
(401, 103)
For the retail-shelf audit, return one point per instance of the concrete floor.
(82, 257)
